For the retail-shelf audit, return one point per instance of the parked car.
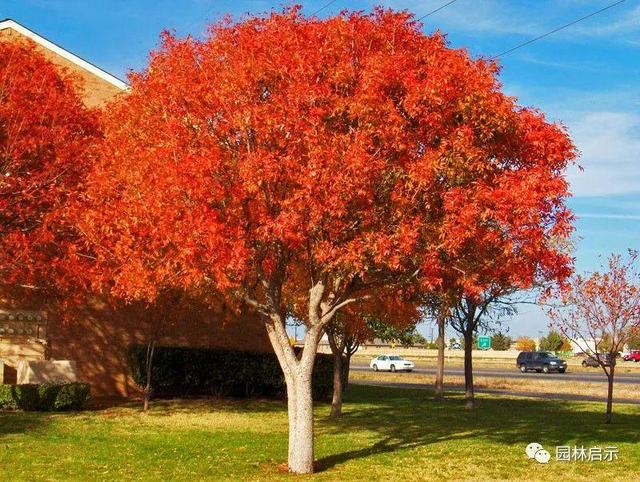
(540, 361)
(392, 363)
(590, 360)
(633, 355)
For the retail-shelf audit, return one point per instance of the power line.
(328, 4)
(557, 29)
(322, 8)
(436, 10)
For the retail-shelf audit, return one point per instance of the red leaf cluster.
(46, 149)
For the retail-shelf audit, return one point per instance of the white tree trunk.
(301, 454)
(298, 376)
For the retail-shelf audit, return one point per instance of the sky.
(586, 76)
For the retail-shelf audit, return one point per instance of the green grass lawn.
(385, 434)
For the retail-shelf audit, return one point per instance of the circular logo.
(542, 456)
(532, 448)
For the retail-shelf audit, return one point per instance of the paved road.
(597, 375)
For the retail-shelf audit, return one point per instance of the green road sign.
(484, 342)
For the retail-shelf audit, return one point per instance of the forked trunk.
(338, 387)
(469, 397)
(439, 388)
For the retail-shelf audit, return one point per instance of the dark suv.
(540, 361)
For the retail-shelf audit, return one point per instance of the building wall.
(96, 91)
(99, 340)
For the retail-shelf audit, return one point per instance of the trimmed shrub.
(71, 396)
(183, 372)
(44, 397)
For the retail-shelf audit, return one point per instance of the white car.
(393, 363)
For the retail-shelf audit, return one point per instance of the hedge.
(183, 372)
(44, 397)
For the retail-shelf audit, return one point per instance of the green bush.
(44, 397)
(182, 372)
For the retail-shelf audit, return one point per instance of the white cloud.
(629, 217)
(528, 19)
(610, 153)
(628, 21)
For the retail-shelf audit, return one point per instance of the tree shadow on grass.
(195, 405)
(17, 422)
(405, 419)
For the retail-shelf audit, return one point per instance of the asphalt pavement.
(597, 375)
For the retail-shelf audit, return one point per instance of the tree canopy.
(47, 140)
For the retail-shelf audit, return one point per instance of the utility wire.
(557, 29)
(323, 7)
(421, 18)
(436, 10)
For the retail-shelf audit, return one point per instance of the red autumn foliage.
(303, 165)
(46, 139)
(600, 313)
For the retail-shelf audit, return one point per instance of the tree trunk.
(347, 370)
(468, 370)
(338, 387)
(439, 388)
(301, 437)
(298, 374)
(609, 414)
(148, 386)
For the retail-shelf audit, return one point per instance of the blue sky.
(587, 76)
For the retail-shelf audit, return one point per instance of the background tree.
(387, 333)
(438, 305)
(524, 343)
(501, 342)
(46, 150)
(470, 315)
(601, 306)
(634, 340)
(554, 341)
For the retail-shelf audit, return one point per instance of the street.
(597, 375)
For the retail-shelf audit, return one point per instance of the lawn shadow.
(409, 418)
(18, 422)
(173, 406)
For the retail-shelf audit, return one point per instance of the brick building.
(99, 339)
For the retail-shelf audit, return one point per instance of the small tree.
(387, 333)
(345, 333)
(599, 313)
(634, 340)
(501, 342)
(470, 315)
(524, 343)
(554, 341)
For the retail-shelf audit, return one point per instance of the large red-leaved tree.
(300, 166)
(46, 148)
